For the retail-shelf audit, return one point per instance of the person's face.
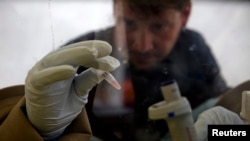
(149, 38)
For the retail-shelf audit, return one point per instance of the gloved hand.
(216, 115)
(55, 94)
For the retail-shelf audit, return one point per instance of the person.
(151, 41)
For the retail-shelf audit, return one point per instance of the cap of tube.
(170, 91)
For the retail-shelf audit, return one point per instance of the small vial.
(170, 91)
(111, 80)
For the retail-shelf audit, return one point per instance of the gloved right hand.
(216, 115)
(55, 94)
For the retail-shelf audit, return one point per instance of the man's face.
(149, 38)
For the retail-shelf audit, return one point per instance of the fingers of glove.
(220, 115)
(215, 115)
(99, 44)
(45, 77)
(201, 129)
(87, 80)
(77, 54)
(107, 63)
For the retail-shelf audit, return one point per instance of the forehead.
(151, 6)
(125, 8)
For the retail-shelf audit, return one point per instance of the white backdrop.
(31, 29)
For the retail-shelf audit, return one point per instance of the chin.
(146, 67)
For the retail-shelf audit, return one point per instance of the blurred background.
(29, 29)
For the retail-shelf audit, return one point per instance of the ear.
(185, 14)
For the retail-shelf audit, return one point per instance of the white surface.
(31, 29)
(226, 27)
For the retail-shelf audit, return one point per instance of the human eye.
(129, 24)
(159, 26)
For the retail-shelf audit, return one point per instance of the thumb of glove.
(85, 81)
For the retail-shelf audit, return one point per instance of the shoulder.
(192, 33)
(193, 47)
(9, 97)
(11, 91)
(193, 41)
(105, 35)
(190, 36)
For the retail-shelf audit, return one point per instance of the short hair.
(156, 6)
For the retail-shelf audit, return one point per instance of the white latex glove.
(55, 95)
(216, 115)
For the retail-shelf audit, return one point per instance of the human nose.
(143, 41)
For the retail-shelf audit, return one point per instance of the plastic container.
(245, 107)
(177, 112)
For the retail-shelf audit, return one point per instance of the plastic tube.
(177, 112)
(111, 80)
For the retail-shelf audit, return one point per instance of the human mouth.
(141, 59)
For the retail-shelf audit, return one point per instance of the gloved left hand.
(55, 94)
